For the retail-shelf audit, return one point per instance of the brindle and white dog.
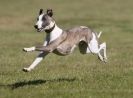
(64, 42)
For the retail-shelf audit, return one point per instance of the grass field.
(76, 75)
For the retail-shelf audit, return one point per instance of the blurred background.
(103, 13)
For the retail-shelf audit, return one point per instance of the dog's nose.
(35, 26)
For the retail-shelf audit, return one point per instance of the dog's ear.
(49, 12)
(41, 11)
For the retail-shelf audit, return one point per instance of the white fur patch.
(55, 33)
(39, 22)
(93, 45)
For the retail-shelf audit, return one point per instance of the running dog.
(63, 42)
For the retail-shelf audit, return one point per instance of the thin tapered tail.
(98, 35)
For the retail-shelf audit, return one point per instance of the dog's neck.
(50, 30)
(55, 33)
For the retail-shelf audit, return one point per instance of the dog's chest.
(55, 33)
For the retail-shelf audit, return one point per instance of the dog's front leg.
(45, 48)
(30, 49)
(36, 61)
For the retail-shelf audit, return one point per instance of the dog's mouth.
(40, 29)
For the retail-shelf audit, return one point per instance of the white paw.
(26, 69)
(29, 49)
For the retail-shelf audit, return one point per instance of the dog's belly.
(64, 49)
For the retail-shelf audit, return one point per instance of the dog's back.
(77, 34)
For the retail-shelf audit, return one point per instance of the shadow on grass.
(35, 82)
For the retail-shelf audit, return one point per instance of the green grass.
(76, 75)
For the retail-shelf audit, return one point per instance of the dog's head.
(44, 20)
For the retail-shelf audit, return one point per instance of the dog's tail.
(98, 35)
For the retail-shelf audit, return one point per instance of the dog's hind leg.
(96, 48)
(103, 46)
(36, 61)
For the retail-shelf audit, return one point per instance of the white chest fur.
(55, 33)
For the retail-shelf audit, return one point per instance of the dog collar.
(50, 30)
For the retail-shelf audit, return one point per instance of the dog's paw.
(26, 70)
(29, 49)
(105, 60)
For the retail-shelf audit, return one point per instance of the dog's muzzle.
(38, 29)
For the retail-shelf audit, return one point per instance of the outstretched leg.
(36, 61)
